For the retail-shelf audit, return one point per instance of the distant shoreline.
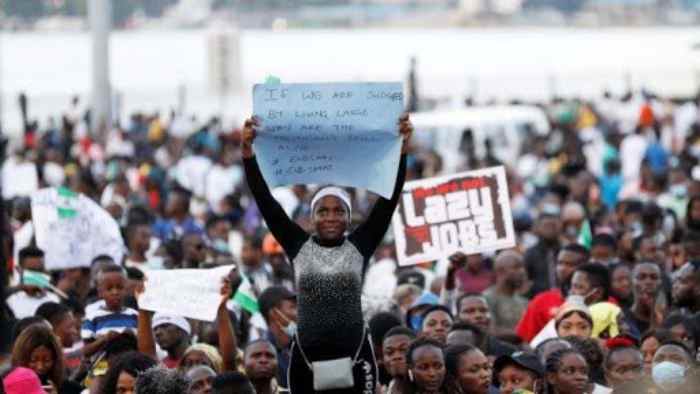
(151, 67)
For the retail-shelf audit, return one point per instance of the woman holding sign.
(332, 351)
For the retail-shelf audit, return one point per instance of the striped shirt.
(99, 320)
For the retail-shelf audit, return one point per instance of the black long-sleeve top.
(328, 276)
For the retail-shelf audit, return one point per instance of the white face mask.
(221, 245)
(156, 263)
(291, 329)
(695, 150)
(679, 190)
(571, 231)
(668, 375)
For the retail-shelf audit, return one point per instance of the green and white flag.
(585, 237)
(245, 297)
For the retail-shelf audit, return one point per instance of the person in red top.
(474, 276)
(544, 306)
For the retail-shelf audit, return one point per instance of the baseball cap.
(272, 296)
(160, 318)
(22, 381)
(524, 360)
(411, 277)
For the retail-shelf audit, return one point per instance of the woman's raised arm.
(289, 234)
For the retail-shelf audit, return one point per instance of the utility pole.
(1, 93)
(100, 17)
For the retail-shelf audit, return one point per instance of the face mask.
(669, 225)
(291, 329)
(637, 228)
(678, 190)
(221, 246)
(588, 297)
(416, 322)
(571, 231)
(155, 262)
(575, 299)
(35, 278)
(695, 150)
(668, 375)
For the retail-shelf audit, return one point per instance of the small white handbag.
(333, 374)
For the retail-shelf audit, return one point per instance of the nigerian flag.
(585, 237)
(245, 297)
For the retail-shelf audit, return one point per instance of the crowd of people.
(601, 293)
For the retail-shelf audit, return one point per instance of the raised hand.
(229, 285)
(139, 289)
(406, 130)
(248, 136)
(457, 261)
(226, 291)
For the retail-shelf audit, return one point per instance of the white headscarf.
(332, 191)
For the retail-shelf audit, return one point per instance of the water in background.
(147, 66)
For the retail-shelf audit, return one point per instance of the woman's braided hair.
(554, 363)
(554, 360)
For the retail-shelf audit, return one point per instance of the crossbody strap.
(354, 360)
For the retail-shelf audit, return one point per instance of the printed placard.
(467, 212)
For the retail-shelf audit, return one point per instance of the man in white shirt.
(30, 294)
(632, 149)
(222, 178)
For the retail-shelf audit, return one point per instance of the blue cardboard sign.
(344, 134)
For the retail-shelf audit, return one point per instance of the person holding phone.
(37, 348)
(329, 266)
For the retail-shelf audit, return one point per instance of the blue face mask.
(416, 322)
(668, 375)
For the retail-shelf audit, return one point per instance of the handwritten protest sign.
(72, 229)
(192, 293)
(345, 133)
(467, 212)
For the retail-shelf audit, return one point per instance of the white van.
(505, 126)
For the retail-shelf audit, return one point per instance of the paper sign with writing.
(192, 293)
(467, 212)
(72, 229)
(341, 133)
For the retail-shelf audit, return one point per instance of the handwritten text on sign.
(342, 133)
(467, 212)
(72, 229)
(192, 293)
